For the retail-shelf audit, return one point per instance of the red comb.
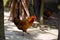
(33, 16)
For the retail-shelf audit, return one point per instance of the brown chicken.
(48, 13)
(24, 24)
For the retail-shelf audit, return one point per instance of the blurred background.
(47, 13)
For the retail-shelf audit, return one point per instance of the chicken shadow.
(29, 36)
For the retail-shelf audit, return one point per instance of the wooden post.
(13, 10)
(58, 27)
(2, 36)
(41, 14)
(25, 7)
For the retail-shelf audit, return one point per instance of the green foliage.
(5, 1)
